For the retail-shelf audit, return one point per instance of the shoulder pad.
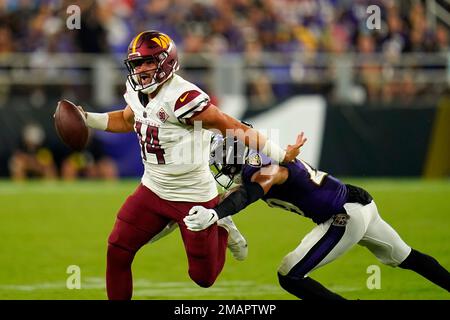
(185, 98)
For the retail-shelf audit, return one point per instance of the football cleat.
(236, 242)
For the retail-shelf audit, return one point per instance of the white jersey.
(175, 156)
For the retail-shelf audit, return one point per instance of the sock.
(307, 288)
(427, 267)
(119, 280)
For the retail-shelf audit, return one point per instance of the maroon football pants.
(144, 215)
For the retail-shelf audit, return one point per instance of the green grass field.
(47, 226)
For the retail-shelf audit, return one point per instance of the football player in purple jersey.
(345, 215)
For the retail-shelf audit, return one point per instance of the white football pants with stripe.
(329, 240)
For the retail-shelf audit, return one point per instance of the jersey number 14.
(150, 142)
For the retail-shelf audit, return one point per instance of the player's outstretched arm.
(200, 218)
(213, 118)
(115, 121)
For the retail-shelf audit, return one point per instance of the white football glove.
(200, 218)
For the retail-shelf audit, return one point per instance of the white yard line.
(60, 189)
(145, 288)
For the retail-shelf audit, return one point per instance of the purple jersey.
(307, 191)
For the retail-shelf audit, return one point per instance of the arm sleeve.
(245, 195)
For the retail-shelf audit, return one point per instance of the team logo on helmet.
(254, 160)
(162, 40)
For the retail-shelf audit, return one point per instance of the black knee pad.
(293, 285)
(287, 282)
(306, 288)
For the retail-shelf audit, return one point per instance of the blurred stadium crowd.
(221, 25)
(247, 27)
(252, 28)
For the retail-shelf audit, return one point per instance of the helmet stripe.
(136, 40)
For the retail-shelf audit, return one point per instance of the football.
(70, 125)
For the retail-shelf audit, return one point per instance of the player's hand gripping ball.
(70, 124)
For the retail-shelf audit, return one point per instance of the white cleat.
(236, 242)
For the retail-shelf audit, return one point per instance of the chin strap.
(149, 89)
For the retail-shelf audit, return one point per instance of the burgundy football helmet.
(158, 48)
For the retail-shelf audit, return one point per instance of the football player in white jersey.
(169, 116)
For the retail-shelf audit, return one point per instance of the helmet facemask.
(227, 160)
(135, 78)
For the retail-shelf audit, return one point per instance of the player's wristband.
(97, 120)
(272, 150)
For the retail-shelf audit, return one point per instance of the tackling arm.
(246, 194)
(200, 218)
